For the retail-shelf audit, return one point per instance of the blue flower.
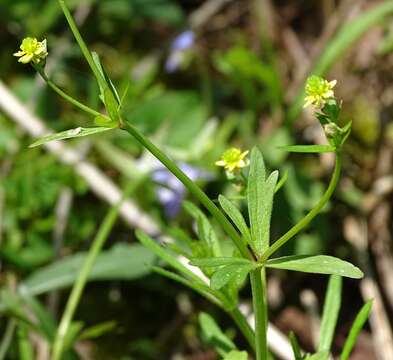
(171, 191)
(179, 49)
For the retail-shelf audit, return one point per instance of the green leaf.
(260, 201)
(235, 215)
(331, 309)
(121, 262)
(198, 287)
(357, 325)
(218, 261)
(97, 330)
(213, 335)
(308, 148)
(320, 355)
(295, 346)
(318, 264)
(205, 230)
(69, 134)
(104, 74)
(232, 272)
(236, 355)
(111, 105)
(165, 255)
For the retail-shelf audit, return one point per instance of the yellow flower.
(318, 90)
(32, 50)
(233, 159)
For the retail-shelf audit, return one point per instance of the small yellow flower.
(233, 159)
(32, 50)
(318, 90)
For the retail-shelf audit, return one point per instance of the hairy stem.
(313, 212)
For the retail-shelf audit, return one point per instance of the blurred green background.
(200, 76)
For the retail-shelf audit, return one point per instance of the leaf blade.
(308, 148)
(318, 264)
(70, 134)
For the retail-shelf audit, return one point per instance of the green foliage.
(330, 313)
(70, 134)
(318, 264)
(260, 201)
(356, 327)
(123, 261)
(213, 335)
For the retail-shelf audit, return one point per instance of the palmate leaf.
(308, 148)
(71, 133)
(318, 264)
(260, 201)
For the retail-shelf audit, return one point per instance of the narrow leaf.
(235, 272)
(69, 134)
(236, 355)
(307, 148)
(165, 255)
(120, 262)
(320, 355)
(295, 346)
(318, 264)
(357, 325)
(213, 335)
(205, 230)
(111, 105)
(218, 261)
(256, 201)
(331, 309)
(235, 215)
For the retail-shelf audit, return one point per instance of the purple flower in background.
(179, 47)
(171, 192)
(183, 41)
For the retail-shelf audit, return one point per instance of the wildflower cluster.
(32, 50)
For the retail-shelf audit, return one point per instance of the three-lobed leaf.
(318, 264)
(71, 133)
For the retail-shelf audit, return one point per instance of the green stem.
(7, 338)
(192, 187)
(243, 325)
(313, 212)
(258, 288)
(82, 45)
(77, 289)
(67, 97)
